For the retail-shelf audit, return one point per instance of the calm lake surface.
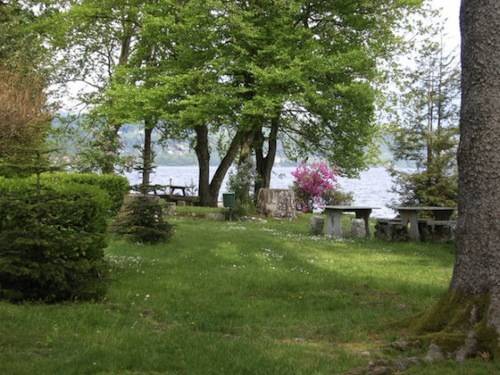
(372, 188)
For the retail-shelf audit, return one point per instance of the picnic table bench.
(409, 215)
(170, 193)
(162, 189)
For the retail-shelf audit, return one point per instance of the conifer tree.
(426, 133)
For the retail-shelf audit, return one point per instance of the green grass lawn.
(236, 298)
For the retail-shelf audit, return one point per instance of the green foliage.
(242, 66)
(338, 197)
(240, 182)
(115, 186)
(428, 188)
(425, 132)
(141, 220)
(21, 36)
(28, 161)
(51, 241)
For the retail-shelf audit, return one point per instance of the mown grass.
(236, 298)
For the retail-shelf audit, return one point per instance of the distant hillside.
(181, 153)
(178, 152)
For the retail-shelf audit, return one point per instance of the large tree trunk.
(209, 190)
(240, 139)
(467, 320)
(203, 155)
(264, 164)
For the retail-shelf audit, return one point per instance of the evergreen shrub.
(116, 186)
(141, 220)
(51, 241)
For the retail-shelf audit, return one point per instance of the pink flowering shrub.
(312, 183)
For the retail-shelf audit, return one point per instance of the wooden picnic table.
(410, 215)
(162, 190)
(334, 218)
(173, 188)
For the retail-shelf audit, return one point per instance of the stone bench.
(442, 230)
(391, 230)
(430, 230)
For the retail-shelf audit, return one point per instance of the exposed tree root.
(457, 327)
(460, 326)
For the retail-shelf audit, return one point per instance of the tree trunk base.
(462, 326)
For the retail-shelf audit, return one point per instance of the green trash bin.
(228, 200)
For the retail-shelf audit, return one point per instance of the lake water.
(372, 188)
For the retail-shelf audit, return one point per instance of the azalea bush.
(313, 182)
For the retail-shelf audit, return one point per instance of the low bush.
(51, 241)
(116, 186)
(141, 220)
(338, 197)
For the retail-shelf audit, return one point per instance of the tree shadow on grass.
(240, 300)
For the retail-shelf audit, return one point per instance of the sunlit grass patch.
(260, 297)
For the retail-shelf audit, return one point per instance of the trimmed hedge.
(116, 186)
(52, 241)
(141, 220)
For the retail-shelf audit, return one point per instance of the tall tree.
(426, 131)
(260, 70)
(321, 83)
(94, 38)
(467, 320)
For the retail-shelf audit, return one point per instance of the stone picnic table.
(410, 215)
(334, 218)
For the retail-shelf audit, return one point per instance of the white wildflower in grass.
(270, 254)
(269, 230)
(124, 262)
(235, 227)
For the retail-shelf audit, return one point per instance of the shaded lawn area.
(236, 298)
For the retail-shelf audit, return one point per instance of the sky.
(451, 10)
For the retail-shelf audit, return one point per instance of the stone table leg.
(412, 218)
(365, 215)
(334, 224)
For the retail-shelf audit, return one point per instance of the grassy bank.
(236, 298)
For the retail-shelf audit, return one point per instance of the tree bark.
(477, 269)
(147, 154)
(265, 164)
(208, 190)
(203, 155)
(472, 305)
(241, 138)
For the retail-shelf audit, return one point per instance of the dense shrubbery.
(51, 241)
(338, 197)
(241, 183)
(115, 186)
(141, 220)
